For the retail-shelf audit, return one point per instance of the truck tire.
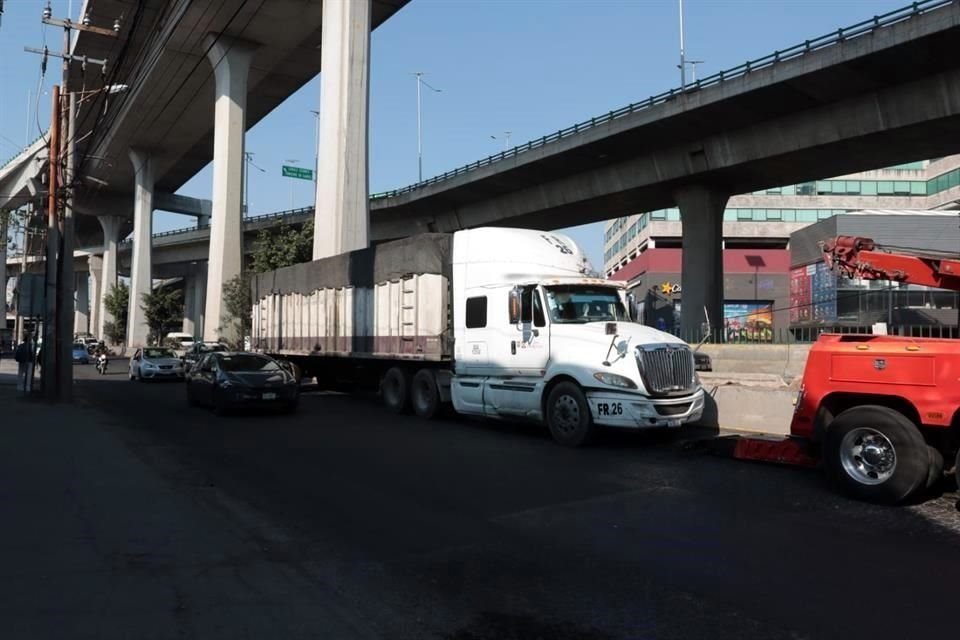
(876, 454)
(394, 390)
(956, 469)
(568, 415)
(424, 394)
(934, 467)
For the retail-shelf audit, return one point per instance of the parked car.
(151, 363)
(228, 380)
(197, 351)
(80, 355)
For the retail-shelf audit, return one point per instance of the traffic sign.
(297, 172)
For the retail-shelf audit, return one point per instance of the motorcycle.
(102, 364)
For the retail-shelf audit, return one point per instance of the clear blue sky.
(530, 67)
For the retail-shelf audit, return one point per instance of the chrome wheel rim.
(868, 456)
(566, 414)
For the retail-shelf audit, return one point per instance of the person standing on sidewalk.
(24, 357)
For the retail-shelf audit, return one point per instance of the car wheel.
(393, 390)
(876, 454)
(934, 467)
(424, 395)
(568, 415)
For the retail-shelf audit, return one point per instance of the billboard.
(748, 321)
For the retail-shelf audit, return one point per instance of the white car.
(180, 342)
(153, 363)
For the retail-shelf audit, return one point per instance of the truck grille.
(666, 369)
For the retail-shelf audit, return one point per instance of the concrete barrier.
(785, 360)
(747, 408)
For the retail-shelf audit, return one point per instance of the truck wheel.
(393, 389)
(957, 469)
(934, 467)
(424, 395)
(876, 454)
(568, 415)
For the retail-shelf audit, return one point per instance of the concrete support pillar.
(194, 285)
(95, 287)
(81, 302)
(108, 273)
(342, 215)
(231, 63)
(140, 278)
(4, 228)
(701, 278)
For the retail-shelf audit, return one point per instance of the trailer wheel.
(393, 389)
(876, 454)
(568, 415)
(424, 394)
(934, 467)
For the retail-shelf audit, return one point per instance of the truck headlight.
(614, 380)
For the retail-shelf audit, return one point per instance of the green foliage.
(282, 246)
(117, 301)
(163, 308)
(237, 306)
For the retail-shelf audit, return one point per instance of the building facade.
(645, 249)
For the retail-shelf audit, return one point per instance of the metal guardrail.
(808, 46)
(263, 216)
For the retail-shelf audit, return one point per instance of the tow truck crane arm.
(857, 257)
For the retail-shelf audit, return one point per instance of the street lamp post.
(291, 161)
(421, 81)
(506, 139)
(316, 145)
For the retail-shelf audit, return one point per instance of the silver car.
(153, 363)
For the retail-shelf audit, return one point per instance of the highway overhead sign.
(297, 172)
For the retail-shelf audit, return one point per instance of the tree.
(163, 308)
(282, 246)
(237, 304)
(116, 303)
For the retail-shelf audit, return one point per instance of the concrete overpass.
(875, 94)
(198, 74)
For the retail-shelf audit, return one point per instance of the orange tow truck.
(881, 413)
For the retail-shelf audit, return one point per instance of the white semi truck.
(499, 323)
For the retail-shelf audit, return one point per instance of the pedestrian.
(24, 357)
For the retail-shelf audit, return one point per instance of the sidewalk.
(96, 544)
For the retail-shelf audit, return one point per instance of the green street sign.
(297, 172)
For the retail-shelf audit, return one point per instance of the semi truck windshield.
(579, 304)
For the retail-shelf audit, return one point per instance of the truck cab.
(538, 336)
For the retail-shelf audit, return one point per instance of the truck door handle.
(513, 347)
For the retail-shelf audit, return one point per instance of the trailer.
(880, 413)
(491, 322)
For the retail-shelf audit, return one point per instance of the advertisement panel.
(748, 321)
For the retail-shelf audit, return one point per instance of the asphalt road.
(465, 530)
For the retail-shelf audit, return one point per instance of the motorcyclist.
(101, 353)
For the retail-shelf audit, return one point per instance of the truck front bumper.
(633, 411)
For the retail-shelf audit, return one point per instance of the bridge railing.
(258, 218)
(808, 46)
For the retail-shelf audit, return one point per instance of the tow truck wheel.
(876, 454)
(393, 389)
(934, 467)
(568, 415)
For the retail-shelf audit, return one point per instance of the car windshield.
(579, 304)
(247, 362)
(157, 353)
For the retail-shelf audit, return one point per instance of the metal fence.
(806, 335)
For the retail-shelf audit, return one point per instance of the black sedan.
(228, 380)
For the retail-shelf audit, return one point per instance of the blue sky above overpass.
(529, 67)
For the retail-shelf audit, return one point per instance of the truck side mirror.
(515, 304)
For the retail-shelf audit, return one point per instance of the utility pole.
(683, 63)
(57, 373)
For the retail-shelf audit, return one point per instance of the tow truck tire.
(876, 454)
(934, 467)
(956, 469)
(394, 389)
(568, 415)
(424, 394)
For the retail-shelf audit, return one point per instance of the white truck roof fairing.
(497, 255)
